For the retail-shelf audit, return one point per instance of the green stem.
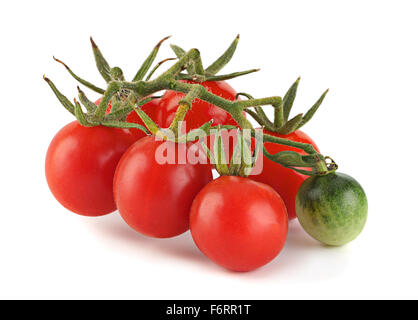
(299, 145)
(167, 81)
(185, 105)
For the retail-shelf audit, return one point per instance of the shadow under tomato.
(113, 230)
(302, 257)
(306, 259)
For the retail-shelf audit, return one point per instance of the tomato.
(285, 181)
(149, 108)
(201, 111)
(332, 208)
(80, 165)
(238, 223)
(154, 198)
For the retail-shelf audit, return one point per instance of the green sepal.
(89, 105)
(259, 114)
(282, 124)
(296, 161)
(112, 89)
(289, 98)
(125, 125)
(279, 120)
(289, 158)
(119, 114)
(63, 99)
(117, 74)
(312, 110)
(198, 66)
(235, 165)
(149, 123)
(219, 63)
(201, 78)
(82, 81)
(180, 52)
(246, 161)
(81, 117)
(192, 136)
(219, 154)
(207, 151)
(101, 63)
(157, 66)
(291, 125)
(148, 61)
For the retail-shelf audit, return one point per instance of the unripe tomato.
(154, 198)
(332, 208)
(238, 223)
(80, 165)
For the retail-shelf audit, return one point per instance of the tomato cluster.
(163, 187)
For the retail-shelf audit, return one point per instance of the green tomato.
(332, 208)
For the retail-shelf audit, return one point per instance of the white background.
(366, 52)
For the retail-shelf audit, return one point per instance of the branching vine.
(126, 96)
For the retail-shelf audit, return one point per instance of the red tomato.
(285, 181)
(149, 108)
(201, 111)
(154, 198)
(80, 165)
(238, 223)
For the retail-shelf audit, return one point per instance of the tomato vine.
(126, 96)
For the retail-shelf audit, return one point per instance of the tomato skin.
(155, 199)
(149, 108)
(201, 111)
(240, 233)
(332, 208)
(80, 165)
(285, 181)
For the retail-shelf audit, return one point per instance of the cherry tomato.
(238, 223)
(153, 197)
(332, 208)
(149, 108)
(201, 111)
(285, 181)
(80, 165)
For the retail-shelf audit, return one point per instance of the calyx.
(281, 123)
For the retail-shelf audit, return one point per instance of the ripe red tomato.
(80, 165)
(155, 198)
(149, 108)
(285, 181)
(201, 111)
(238, 223)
